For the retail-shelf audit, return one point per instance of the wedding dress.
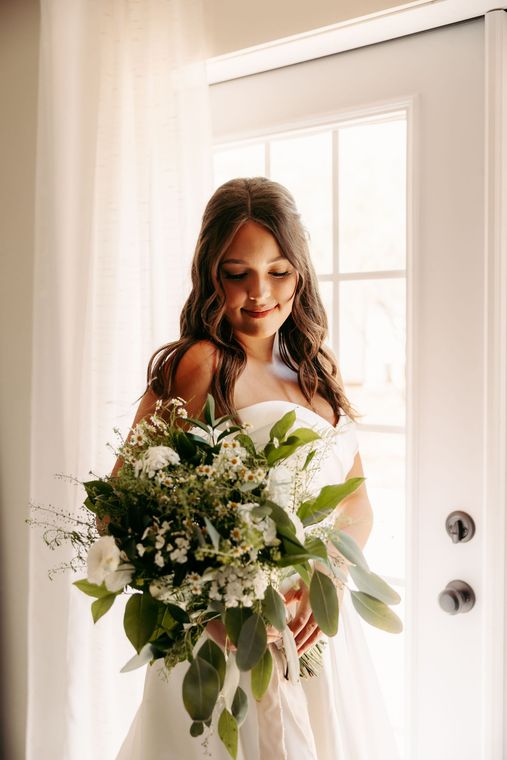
(337, 715)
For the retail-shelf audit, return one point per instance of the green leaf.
(252, 642)
(261, 675)
(227, 431)
(376, 613)
(201, 685)
(273, 608)
(284, 524)
(140, 619)
(309, 458)
(316, 509)
(349, 548)
(299, 437)
(294, 553)
(101, 606)
(178, 614)
(228, 732)
(316, 547)
(211, 652)
(235, 617)
(305, 572)
(374, 585)
(282, 427)
(196, 728)
(239, 707)
(324, 603)
(209, 410)
(247, 443)
(92, 589)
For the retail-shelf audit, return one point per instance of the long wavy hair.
(300, 337)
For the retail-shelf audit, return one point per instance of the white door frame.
(408, 19)
(495, 384)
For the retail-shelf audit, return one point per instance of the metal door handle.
(457, 597)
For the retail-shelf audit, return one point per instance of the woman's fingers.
(309, 642)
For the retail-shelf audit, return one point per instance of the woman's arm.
(355, 517)
(192, 381)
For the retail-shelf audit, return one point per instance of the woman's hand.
(216, 630)
(303, 626)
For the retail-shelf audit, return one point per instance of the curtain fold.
(123, 174)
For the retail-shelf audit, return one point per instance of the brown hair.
(302, 334)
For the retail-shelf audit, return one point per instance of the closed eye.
(241, 275)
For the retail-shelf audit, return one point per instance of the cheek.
(287, 290)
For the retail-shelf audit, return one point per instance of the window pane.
(241, 161)
(372, 348)
(304, 166)
(372, 196)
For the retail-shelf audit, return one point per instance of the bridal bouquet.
(202, 526)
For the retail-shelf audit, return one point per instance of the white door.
(383, 148)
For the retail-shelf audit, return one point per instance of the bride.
(252, 335)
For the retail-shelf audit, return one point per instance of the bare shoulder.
(194, 373)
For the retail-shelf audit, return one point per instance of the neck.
(259, 349)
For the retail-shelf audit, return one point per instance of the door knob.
(457, 597)
(460, 526)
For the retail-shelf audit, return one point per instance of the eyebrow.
(242, 261)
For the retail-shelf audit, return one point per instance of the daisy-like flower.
(159, 560)
(137, 436)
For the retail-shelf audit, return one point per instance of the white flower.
(159, 560)
(155, 458)
(103, 558)
(280, 480)
(121, 577)
(140, 549)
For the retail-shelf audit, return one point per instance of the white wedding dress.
(337, 715)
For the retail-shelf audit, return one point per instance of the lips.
(259, 313)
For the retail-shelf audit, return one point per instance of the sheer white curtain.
(124, 171)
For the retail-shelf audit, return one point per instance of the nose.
(258, 288)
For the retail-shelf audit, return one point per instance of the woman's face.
(259, 282)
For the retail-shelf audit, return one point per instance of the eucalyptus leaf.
(324, 603)
(374, 585)
(309, 458)
(314, 510)
(281, 519)
(376, 613)
(349, 548)
(201, 685)
(209, 410)
(92, 589)
(177, 613)
(252, 642)
(146, 655)
(316, 547)
(235, 617)
(213, 534)
(140, 619)
(273, 608)
(282, 427)
(228, 732)
(247, 443)
(196, 728)
(240, 705)
(211, 652)
(261, 675)
(228, 431)
(101, 606)
(304, 571)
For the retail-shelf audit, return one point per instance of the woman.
(252, 333)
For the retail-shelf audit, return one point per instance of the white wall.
(19, 30)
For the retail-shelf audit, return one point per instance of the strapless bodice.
(339, 455)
